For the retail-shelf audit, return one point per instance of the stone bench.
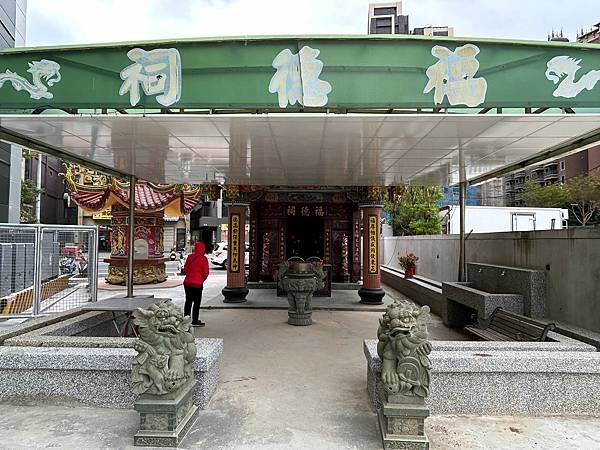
(90, 376)
(77, 357)
(505, 378)
(463, 300)
(489, 286)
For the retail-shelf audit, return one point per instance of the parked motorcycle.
(70, 265)
(67, 265)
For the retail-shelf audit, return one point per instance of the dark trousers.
(192, 295)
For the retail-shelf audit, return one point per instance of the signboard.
(305, 211)
(103, 215)
(234, 248)
(373, 237)
(345, 72)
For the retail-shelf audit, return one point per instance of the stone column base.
(300, 319)
(371, 296)
(234, 294)
(165, 422)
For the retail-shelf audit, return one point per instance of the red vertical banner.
(234, 249)
(373, 236)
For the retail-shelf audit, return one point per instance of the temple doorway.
(304, 237)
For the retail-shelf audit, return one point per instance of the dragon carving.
(41, 71)
(561, 70)
(166, 350)
(404, 348)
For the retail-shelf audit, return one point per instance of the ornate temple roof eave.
(96, 199)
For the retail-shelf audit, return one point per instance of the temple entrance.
(304, 237)
(286, 223)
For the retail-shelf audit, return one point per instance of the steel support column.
(462, 195)
(37, 271)
(130, 249)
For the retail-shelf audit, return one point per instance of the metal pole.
(462, 194)
(93, 264)
(131, 236)
(37, 272)
(38, 185)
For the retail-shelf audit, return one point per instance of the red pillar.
(236, 290)
(371, 292)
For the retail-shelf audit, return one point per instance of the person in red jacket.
(196, 272)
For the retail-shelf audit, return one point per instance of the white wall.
(571, 259)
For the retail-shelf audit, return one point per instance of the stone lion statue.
(166, 350)
(404, 348)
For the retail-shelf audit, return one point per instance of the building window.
(562, 165)
(562, 179)
(384, 11)
(383, 22)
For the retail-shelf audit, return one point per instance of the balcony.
(537, 174)
(551, 173)
(520, 178)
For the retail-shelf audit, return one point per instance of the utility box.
(48, 258)
(18, 267)
(29, 264)
(5, 269)
(497, 219)
(54, 262)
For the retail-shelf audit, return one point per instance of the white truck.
(492, 219)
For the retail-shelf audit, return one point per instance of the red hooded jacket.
(196, 267)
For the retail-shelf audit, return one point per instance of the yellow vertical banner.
(373, 235)
(234, 250)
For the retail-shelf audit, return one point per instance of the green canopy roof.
(303, 73)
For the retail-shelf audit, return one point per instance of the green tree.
(584, 197)
(550, 196)
(581, 194)
(414, 210)
(28, 197)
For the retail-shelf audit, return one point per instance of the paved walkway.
(285, 387)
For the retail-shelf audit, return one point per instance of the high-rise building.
(434, 31)
(560, 170)
(387, 18)
(12, 34)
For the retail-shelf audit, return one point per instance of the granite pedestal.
(164, 422)
(401, 421)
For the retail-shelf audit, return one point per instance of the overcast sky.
(55, 22)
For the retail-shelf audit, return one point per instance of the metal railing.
(45, 269)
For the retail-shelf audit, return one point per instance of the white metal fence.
(46, 269)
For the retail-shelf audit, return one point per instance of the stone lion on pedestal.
(404, 348)
(166, 350)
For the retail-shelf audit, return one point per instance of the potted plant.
(409, 263)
